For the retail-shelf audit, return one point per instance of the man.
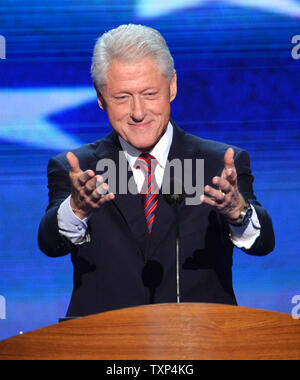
(113, 238)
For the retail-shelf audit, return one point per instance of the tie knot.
(146, 162)
(147, 155)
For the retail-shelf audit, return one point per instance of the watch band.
(244, 217)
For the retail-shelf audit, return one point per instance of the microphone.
(176, 193)
(174, 199)
(152, 275)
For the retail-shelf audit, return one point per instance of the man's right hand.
(88, 190)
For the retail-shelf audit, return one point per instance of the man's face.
(137, 96)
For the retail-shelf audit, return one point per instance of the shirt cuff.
(70, 226)
(245, 236)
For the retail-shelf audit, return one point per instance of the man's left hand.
(227, 199)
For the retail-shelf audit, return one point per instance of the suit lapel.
(129, 205)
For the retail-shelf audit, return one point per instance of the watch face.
(244, 218)
(247, 216)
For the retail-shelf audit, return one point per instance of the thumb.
(229, 172)
(74, 163)
(229, 159)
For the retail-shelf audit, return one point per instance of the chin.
(144, 148)
(143, 145)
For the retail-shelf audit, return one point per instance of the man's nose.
(137, 109)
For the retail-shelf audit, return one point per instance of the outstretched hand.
(89, 191)
(227, 199)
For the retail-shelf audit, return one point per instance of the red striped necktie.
(150, 190)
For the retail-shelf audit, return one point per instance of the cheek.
(163, 111)
(117, 113)
(160, 108)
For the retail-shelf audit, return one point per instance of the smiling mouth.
(140, 125)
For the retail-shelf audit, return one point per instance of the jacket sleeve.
(265, 243)
(49, 239)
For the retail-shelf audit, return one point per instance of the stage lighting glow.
(155, 8)
(25, 113)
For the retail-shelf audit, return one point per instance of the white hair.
(130, 43)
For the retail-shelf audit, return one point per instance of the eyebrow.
(144, 90)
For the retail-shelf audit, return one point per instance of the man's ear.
(100, 98)
(173, 87)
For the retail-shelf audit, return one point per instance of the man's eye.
(121, 98)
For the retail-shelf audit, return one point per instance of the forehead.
(133, 74)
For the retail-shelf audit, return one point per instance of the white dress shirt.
(76, 230)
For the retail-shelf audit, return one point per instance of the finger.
(99, 179)
(223, 184)
(216, 195)
(74, 163)
(103, 191)
(85, 176)
(107, 197)
(231, 176)
(97, 199)
(90, 185)
(102, 188)
(96, 196)
(209, 201)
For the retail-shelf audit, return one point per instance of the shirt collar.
(160, 150)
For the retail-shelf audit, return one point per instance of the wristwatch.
(244, 217)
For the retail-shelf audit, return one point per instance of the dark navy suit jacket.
(108, 269)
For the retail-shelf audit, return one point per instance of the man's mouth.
(141, 124)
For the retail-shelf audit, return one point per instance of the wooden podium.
(186, 331)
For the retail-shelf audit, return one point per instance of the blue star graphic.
(24, 115)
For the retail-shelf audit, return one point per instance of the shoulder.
(196, 145)
(87, 154)
(212, 152)
(84, 153)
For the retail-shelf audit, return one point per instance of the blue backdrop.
(238, 83)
